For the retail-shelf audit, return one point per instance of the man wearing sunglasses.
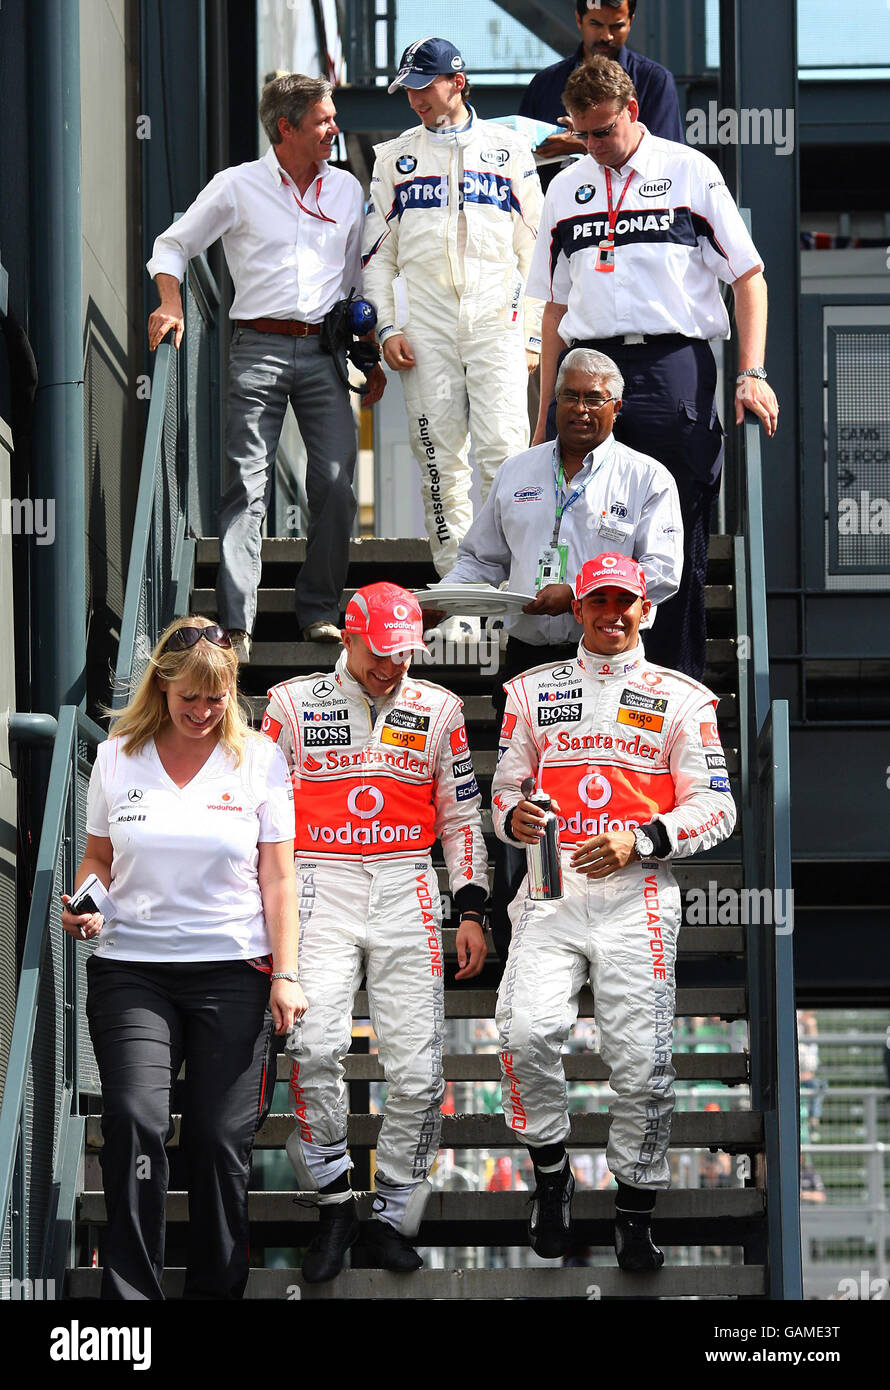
(381, 769)
(290, 225)
(635, 242)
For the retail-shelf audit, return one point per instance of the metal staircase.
(732, 1219)
(724, 973)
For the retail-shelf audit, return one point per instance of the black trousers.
(509, 860)
(145, 1020)
(670, 413)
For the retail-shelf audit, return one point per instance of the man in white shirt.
(291, 230)
(449, 237)
(635, 240)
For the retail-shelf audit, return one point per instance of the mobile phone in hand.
(90, 897)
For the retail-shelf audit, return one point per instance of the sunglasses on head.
(185, 637)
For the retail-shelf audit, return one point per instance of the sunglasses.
(185, 637)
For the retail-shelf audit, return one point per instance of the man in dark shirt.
(604, 29)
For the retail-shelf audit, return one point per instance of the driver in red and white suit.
(630, 755)
(381, 768)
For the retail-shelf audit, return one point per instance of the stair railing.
(764, 758)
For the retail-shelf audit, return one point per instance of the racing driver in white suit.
(381, 768)
(630, 755)
(448, 242)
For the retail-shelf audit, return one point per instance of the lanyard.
(613, 213)
(562, 505)
(319, 216)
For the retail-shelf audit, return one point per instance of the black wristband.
(471, 896)
(474, 916)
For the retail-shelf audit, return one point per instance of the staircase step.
(683, 1204)
(673, 1281)
(729, 1068)
(692, 942)
(380, 550)
(480, 1003)
(733, 1130)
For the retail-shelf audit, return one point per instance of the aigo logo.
(366, 812)
(605, 792)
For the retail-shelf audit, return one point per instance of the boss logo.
(315, 736)
(559, 714)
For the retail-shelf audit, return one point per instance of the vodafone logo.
(400, 611)
(608, 562)
(373, 802)
(588, 785)
(410, 692)
(651, 678)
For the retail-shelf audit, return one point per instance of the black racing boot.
(387, 1248)
(633, 1243)
(337, 1230)
(549, 1226)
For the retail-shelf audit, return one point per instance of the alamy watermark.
(484, 652)
(750, 125)
(733, 907)
(29, 516)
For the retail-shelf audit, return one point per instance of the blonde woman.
(190, 828)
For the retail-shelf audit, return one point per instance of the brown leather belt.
(294, 328)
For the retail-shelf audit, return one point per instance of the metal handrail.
(56, 862)
(764, 757)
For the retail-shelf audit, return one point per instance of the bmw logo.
(584, 193)
(406, 164)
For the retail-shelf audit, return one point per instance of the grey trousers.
(265, 371)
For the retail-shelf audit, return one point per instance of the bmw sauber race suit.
(374, 786)
(619, 743)
(448, 244)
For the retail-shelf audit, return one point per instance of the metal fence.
(51, 1062)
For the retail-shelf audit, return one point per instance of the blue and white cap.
(424, 61)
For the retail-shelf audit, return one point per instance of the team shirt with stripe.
(678, 233)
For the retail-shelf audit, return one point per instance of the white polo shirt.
(184, 869)
(290, 255)
(678, 233)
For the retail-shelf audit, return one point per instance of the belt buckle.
(633, 339)
(301, 330)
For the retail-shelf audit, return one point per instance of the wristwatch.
(644, 846)
(758, 372)
(286, 975)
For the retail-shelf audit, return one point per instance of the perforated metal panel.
(858, 478)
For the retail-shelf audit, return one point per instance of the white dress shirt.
(629, 505)
(678, 233)
(290, 255)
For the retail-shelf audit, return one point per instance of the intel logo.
(655, 188)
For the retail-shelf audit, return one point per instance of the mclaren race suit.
(373, 788)
(448, 244)
(617, 743)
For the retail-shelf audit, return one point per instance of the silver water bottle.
(542, 858)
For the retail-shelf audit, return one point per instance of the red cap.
(387, 617)
(610, 571)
